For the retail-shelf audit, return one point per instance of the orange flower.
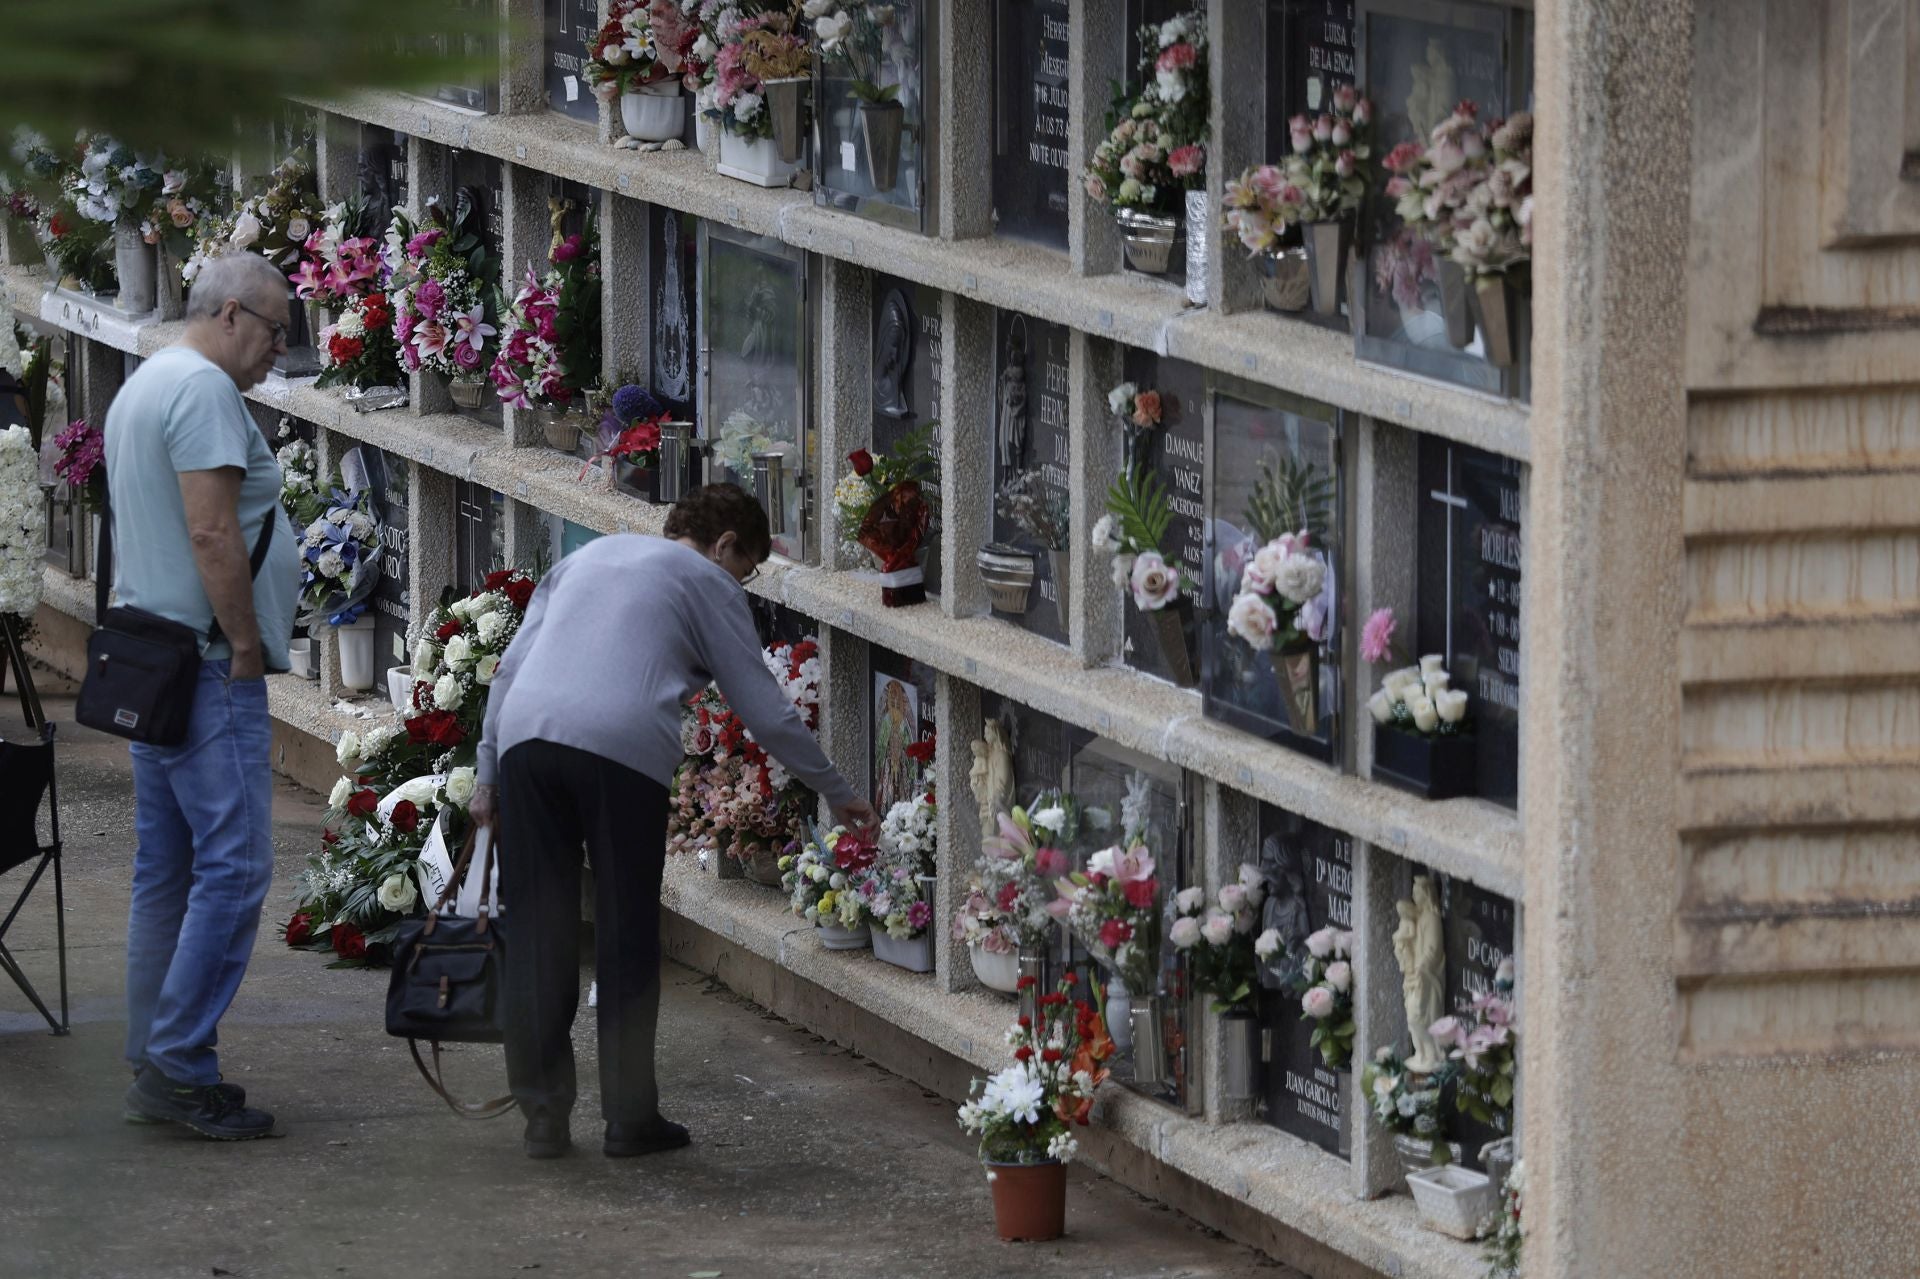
(1146, 408)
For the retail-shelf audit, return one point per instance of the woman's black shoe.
(643, 1139)
(547, 1137)
(211, 1110)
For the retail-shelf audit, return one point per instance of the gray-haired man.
(193, 485)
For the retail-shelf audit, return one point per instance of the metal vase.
(169, 290)
(1202, 236)
(1007, 572)
(783, 107)
(880, 126)
(133, 262)
(465, 393)
(1171, 626)
(1496, 310)
(672, 464)
(1148, 238)
(1329, 244)
(770, 489)
(1299, 673)
(1033, 963)
(1061, 564)
(1240, 1056)
(1286, 287)
(1455, 305)
(1149, 1040)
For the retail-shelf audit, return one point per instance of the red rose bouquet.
(360, 349)
(886, 508)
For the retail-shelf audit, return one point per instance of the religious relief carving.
(1012, 420)
(893, 356)
(1419, 946)
(1434, 92)
(673, 372)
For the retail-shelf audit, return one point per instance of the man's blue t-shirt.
(179, 412)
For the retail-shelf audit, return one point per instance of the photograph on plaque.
(1126, 796)
(673, 276)
(876, 109)
(1270, 602)
(1420, 59)
(1163, 642)
(753, 317)
(1308, 869)
(388, 485)
(1030, 497)
(906, 381)
(1030, 179)
(570, 28)
(1468, 594)
(902, 716)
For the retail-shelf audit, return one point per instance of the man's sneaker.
(624, 1139)
(208, 1109)
(235, 1094)
(547, 1137)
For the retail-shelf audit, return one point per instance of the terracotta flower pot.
(1029, 1200)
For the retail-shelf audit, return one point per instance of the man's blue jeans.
(204, 820)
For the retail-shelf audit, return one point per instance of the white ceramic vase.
(996, 970)
(356, 654)
(656, 113)
(755, 160)
(834, 937)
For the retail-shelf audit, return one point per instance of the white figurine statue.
(991, 777)
(1419, 947)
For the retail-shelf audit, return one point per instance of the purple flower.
(632, 403)
(428, 299)
(425, 240)
(919, 915)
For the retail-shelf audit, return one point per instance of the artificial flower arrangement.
(1113, 907)
(730, 796)
(643, 42)
(403, 777)
(113, 185)
(1323, 180)
(23, 525)
(1469, 193)
(300, 490)
(630, 430)
(885, 508)
(339, 561)
(80, 248)
(741, 436)
(1026, 1112)
(1481, 1050)
(980, 923)
(1218, 941)
(442, 290)
(830, 882)
(190, 194)
(1155, 149)
(339, 260)
(903, 906)
(1039, 510)
(1276, 607)
(1507, 1241)
(1423, 738)
(861, 36)
(1020, 864)
(361, 349)
(754, 47)
(1134, 528)
(550, 355)
(275, 224)
(1325, 985)
(1407, 1104)
(83, 463)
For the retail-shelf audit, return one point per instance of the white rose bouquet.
(1420, 701)
(23, 524)
(1278, 605)
(1218, 941)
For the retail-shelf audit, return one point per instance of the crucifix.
(1453, 501)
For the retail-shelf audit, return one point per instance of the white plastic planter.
(656, 113)
(996, 971)
(1452, 1200)
(754, 160)
(356, 654)
(915, 954)
(834, 937)
(299, 657)
(400, 688)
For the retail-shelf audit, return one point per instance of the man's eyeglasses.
(275, 329)
(751, 574)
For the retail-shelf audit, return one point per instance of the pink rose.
(1188, 160)
(1051, 863)
(466, 356)
(429, 298)
(1317, 1003)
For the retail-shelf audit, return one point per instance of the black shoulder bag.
(446, 980)
(143, 669)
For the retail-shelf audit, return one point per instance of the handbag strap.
(458, 877)
(259, 557)
(103, 582)
(435, 1080)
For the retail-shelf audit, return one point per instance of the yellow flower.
(826, 904)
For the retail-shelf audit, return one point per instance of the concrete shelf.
(1279, 1175)
(1136, 310)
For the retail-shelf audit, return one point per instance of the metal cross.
(1453, 500)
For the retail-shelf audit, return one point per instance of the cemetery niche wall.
(907, 355)
(876, 115)
(1270, 639)
(1031, 530)
(1165, 642)
(1031, 51)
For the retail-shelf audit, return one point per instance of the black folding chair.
(26, 774)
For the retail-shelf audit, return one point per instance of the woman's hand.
(858, 815)
(483, 808)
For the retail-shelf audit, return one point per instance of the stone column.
(845, 377)
(1229, 826)
(1096, 37)
(625, 297)
(1379, 1013)
(431, 528)
(963, 71)
(528, 543)
(957, 718)
(1386, 524)
(528, 240)
(336, 166)
(1095, 448)
(523, 54)
(1238, 36)
(1606, 590)
(429, 178)
(966, 430)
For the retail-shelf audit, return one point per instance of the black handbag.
(446, 983)
(143, 669)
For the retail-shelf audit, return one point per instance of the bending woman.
(581, 741)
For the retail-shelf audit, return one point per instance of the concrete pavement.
(807, 1159)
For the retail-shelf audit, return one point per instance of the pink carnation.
(1376, 637)
(1188, 160)
(1179, 57)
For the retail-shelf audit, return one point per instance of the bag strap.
(259, 557)
(458, 877)
(465, 1109)
(101, 581)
